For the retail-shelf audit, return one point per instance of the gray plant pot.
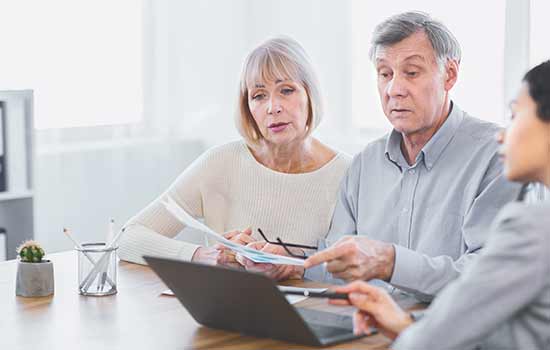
(34, 279)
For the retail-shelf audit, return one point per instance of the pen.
(107, 241)
(116, 238)
(328, 295)
(110, 232)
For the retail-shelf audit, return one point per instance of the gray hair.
(277, 58)
(401, 26)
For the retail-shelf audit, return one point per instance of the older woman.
(279, 178)
(502, 300)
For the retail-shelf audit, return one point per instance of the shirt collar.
(435, 146)
(393, 149)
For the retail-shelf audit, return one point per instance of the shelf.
(7, 196)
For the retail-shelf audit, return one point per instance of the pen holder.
(97, 269)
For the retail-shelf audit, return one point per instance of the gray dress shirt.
(436, 212)
(502, 300)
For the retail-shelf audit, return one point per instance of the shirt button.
(411, 171)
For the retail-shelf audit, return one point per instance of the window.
(480, 32)
(83, 59)
(539, 51)
(540, 27)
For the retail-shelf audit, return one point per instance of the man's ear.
(451, 74)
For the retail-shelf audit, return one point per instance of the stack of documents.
(250, 253)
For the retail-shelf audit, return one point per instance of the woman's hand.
(276, 272)
(376, 308)
(216, 255)
(240, 237)
(221, 255)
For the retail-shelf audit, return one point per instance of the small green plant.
(31, 252)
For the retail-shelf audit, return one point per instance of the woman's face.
(526, 142)
(280, 109)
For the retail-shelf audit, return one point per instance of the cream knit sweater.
(230, 190)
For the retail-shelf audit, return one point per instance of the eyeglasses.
(287, 245)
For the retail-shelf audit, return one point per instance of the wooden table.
(138, 317)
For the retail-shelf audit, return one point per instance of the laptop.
(248, 303)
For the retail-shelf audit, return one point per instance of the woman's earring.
(254, 135)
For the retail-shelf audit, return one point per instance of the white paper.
(250, 253)
(293, 299)
(300, 289)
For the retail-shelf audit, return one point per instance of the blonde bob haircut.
(278, 58)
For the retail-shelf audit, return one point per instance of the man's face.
(411, 85)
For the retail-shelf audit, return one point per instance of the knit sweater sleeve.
(152, 230)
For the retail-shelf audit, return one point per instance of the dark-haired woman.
(502, 300)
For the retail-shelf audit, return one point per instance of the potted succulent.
(34, 275)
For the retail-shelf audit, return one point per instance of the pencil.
(67, 233)
(107, 242)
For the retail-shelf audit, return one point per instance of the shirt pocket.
(442, 233)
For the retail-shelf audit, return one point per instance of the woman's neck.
(291, 158)
(546, 180)
(544, 176)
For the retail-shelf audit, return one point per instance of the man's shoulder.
(475, 129)
(374, 148)
(372, 153)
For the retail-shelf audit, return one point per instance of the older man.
(416, 205)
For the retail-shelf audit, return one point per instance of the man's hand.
(357, 258)
(276, 272)
(376, 308)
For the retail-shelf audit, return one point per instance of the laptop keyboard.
(326, 318)
(327, 332)
(326, 324)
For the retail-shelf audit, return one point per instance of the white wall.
(196, 51)
(82, 188)
(199, 47)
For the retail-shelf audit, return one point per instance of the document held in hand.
(250, 253)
